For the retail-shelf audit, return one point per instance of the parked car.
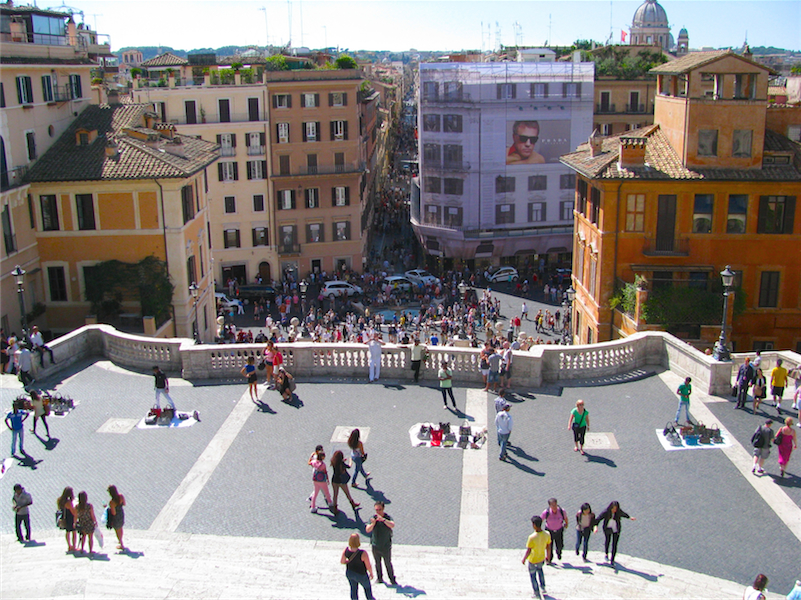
(398, 283)
(253, 292)
(421, 275)
(227, 302)
(503, 274)
(338, 289)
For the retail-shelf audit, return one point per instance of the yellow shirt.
(538, 543)
(778, 376)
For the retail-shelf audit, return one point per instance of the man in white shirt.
(503, 425)
(39, 346)
(374, 357)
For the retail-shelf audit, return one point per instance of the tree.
(345, 62)
(277, 62)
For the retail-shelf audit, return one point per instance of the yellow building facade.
(708, 185)
(120, 185)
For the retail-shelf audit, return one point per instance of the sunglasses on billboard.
(528, 138)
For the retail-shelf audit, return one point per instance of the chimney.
(632, 151)
(113, 98)
(596, 143)
(175, 147)
(150, 119)
(111, 149)
(747, 52)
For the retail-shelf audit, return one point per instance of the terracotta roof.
(662, 162)
(694, 60)
(168, 59)
(135, 159)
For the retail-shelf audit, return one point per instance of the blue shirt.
(16, 420)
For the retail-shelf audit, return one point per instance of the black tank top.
(357, 563)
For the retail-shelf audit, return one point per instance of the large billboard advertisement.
(535, 142)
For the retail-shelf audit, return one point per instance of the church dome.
(650, 14)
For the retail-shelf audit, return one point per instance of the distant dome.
(683, 32)
(650, 14)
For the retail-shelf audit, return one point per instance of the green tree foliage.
(277, 62)
(345, 62)
(684, 305)
(111, 282)
(614, 61)
(796, 69)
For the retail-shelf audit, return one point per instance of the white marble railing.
(542, 364)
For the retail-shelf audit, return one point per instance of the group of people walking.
(76, 517)
(548, 537)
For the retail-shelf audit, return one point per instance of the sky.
(448, 25)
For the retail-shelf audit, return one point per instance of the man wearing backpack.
(555, 519)
(761, 441)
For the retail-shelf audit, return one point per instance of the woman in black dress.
(69, 515)
(611, 525)
(116, 513)
(339, 480)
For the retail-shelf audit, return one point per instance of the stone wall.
(545, 364)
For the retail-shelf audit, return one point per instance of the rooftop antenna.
(289, 15)
(482, 37)
(95, 16)
(518, 29)
(549, 29)
(301, 24)
(497, 36)
(611, 30)
(266, 30)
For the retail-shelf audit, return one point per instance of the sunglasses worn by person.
(528, 138)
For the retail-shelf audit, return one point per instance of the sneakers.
(314, 511)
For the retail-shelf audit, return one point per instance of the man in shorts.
(761, 440)
(778, 379)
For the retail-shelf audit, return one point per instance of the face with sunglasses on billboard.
(525, 135)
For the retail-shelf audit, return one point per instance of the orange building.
(119, 185)
(709, 184)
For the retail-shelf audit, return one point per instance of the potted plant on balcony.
(202, 115)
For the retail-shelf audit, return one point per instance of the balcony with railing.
(12, 178)
(603, 108)
(288, 249)
(256, 150)
(227, 151)
(304, 170)
(666, 246)
(635, 108)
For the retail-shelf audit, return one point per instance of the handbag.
(61, 522)
(757, 391)
(464, 430)
(424, 433)
(261, 366)
(777, 441)
(734, 391)
(449, 440)
(714, 432)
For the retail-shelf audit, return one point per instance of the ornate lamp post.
(721, 350)
(570, 295)
(194, 290)
(19, 278)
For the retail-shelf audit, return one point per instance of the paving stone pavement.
(247, 531)
(176, 565)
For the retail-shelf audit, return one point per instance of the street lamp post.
(19, 278)
(193, 289)
(721, 350)
(304, 287)
(567, 333)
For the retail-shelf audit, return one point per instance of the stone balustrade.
(547, 364)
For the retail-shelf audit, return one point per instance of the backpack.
(758, 439)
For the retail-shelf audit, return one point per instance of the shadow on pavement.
(262, 406)
(27, 461)
(788, 481)
(33, 544)
(131, 553)
(49, 443)
(584, 568)
(523, 467)
(652, 578)
(295, 402)
(394, 386)
(409, 591)
(600, 459)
